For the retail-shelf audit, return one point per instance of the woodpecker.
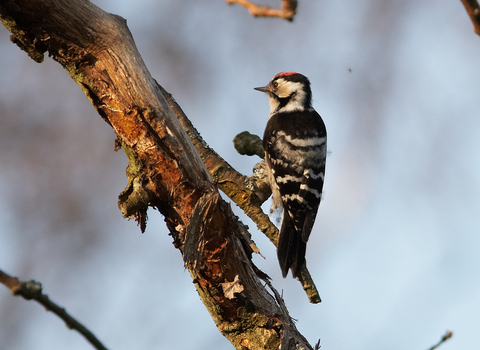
(295, 145)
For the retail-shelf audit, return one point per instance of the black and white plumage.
(295, 145)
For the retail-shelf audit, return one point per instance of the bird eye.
(275, 84)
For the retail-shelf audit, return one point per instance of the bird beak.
(263, 89)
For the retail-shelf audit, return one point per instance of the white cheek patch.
(297, 100)
(273, 102)
(296, 103)
(285, 89)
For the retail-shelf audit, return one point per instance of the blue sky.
(395, 249)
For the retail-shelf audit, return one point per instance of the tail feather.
(308, 224)
(291, 248)
(298, 259)
(284, 244)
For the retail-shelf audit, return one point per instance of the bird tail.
(291, 248)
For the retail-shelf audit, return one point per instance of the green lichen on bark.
(252, 331)
(133, 201)
(28, 43)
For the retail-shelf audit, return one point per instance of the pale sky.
(395, 249)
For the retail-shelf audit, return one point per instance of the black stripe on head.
(282, 102)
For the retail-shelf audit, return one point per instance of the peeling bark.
(99, 53)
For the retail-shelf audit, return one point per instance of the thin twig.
(445, 337)
(33, 290)
(473, 10)
(288, 10)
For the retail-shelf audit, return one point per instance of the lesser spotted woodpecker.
(295, 145)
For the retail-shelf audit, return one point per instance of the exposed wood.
(98, 51)
(247, 192)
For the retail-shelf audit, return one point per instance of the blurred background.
(395, 250)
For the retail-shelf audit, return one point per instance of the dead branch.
(288, 10)
(248, 144)
(246, 192)
(32, 290)
(98, 51)
(445, 337)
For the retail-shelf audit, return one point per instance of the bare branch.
(244, 191)
(33, 290)
(445, 337)
(248, 144)
(98, 51)
(288, 10)
(473, 10)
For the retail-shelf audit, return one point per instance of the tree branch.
(98, 51)
(473, 10)
(445, 337)
(33, 290)
(247, 192)
(288, 10)
(249, 144)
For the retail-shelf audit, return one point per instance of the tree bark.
(99, 53)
